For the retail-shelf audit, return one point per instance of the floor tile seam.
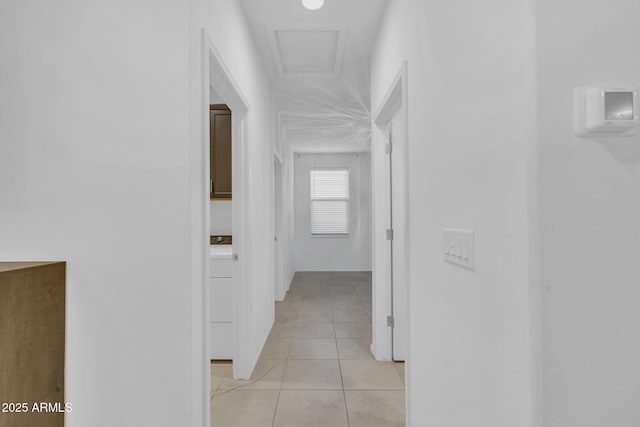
(313, 358)
(302, 322)
(217, 388)
(219, 385)
(275, 411)
(361, 303)
(308, 358)
(311, 389)
(333, 337)
(355, 358)
(399, 376)
(229, 371)
(358, 305)
(311, 322)
(310, 338)
(304, 311)
(288, 352)
(353, 321)
(248, 385)
(248, 388)
(344, 396)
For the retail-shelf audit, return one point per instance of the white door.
(277, 229)
(398, 235)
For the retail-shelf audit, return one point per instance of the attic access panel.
(307, 52)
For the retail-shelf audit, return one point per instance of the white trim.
(198, 190)
(221, 78)
(395, 99)
(277, 157)
(216, 74)
(280, 285)
(288, 211)
(277, 55)
(278, 230)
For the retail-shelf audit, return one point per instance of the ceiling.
(318, 65)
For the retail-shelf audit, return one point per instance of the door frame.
(278, 187)
(395, 99)
(215, 73)
(397, 247)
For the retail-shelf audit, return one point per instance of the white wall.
(214, 97)
(352, 253)
(93, 166)
(590, 217)
(470, 132)
(288, 229)
(101, 163)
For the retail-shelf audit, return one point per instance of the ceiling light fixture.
(313, 4)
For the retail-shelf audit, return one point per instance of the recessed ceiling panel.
(307, 52)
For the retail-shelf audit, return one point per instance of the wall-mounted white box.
(605, 112)
(458, 247)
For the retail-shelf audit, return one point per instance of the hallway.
(316, 368)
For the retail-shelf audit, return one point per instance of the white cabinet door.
(221, 310)
(220, 299)
(220, 340)
(221, 267)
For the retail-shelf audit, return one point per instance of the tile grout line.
(361, 303)
(284, 371)
(222, 381)
(344, 395)
(290, 340)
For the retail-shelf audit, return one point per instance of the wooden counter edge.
(11, 266)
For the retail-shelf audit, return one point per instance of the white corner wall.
(470, 136)
(352, 253)
(101, 135)
(93, 170)
(288, 229)
(590, 218)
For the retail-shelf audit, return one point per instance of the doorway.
(391, 291)
(215, 76)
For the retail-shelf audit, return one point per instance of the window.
(330, 201)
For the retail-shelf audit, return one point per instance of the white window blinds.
(329, 201)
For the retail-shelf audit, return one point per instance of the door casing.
(215, 73)
(395, 100)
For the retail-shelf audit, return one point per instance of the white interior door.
(397, 198)
(277, 229)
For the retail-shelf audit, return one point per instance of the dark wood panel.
(32, 335)
(220, 152)
(219, 107)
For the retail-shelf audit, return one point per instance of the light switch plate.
(458, 247)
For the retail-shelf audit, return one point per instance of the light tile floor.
(316, 368)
